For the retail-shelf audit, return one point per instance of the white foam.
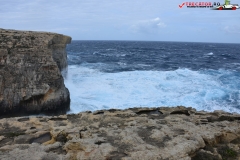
(209, 54)
(111, 49)
(91, 89)
(121, 63)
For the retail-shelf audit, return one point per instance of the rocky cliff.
(30, 72)
(134, 134)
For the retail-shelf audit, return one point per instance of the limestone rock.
(30, 71)
(132, 134)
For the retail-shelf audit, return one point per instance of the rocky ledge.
(30, 72)
(137, 133)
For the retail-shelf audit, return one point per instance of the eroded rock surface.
(30, 71)
(137, 133)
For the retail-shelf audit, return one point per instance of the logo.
(227, 6)
(180, 6)
(213, 5)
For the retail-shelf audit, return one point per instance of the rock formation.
(134, 134)
(30, 72)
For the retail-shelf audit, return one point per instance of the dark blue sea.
(123, 74)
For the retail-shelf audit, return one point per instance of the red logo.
(213, 5)
(180, 6)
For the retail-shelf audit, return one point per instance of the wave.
(209, 54)
(91, 89)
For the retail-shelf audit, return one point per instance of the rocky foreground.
(137, 133)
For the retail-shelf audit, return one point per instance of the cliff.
(30, 72)
(134, 134)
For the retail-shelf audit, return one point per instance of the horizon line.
(157, 41)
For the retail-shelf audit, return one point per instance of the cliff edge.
(30, 72)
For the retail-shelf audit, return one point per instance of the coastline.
(168, 133)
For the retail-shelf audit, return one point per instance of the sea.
(127, 74)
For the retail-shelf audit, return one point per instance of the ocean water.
(123, 74)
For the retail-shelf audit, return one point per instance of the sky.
(145, 20)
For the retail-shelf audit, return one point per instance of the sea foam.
(91, 89)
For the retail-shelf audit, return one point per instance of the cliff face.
(30, 71)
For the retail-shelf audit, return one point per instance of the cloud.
(148, 26)
(119, 19)
(232, 29)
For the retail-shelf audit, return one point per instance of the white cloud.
(149, 26)
(232, 29)
(119, 19)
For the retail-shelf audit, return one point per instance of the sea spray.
(204, 90)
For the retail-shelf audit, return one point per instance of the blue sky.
(153, 20)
